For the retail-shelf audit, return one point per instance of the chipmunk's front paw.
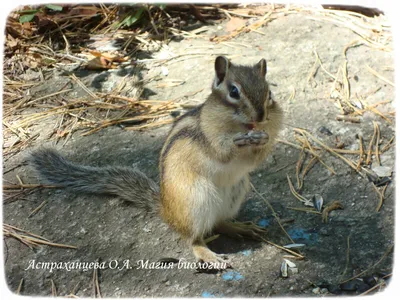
(251, 138)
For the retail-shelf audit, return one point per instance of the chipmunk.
(204, 164)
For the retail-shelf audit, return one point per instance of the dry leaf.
(235, 23)
(11, 42)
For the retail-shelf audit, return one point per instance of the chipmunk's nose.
(260, 115)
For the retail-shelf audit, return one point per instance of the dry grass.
(18, 292)
(306, 144)
(387, 252)
(29, 239)
(95, 284)
(90, 114)
(337, 152)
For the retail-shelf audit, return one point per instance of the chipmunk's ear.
(261, 66)
(221, 68)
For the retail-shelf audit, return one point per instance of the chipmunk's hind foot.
(209, 261)
(241, 230)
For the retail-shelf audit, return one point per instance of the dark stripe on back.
(193, 133)
(195, 112)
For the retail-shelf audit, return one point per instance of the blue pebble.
(301, 234)
(246, 252)
(208, 295)
(263, 222)
(232, 276)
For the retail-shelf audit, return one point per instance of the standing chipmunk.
(204, 164)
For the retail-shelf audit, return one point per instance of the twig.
(378, 137)
(12, 168)
(24, 231)
(283, 248)
(37, 208)
(152, 20)
(83, 86)
(361, 153)
(346, 83)
(345, 151)
(67, 45)
(379, 76)
(151, 125)
(315, 154)
(53, 288)
(348, 119)
(323, 68)
(19, 180)
(273, 211)
(307, 168)
(47, 96)
(30, 239)
(297, 195)
(371, 143)
(298, 167)
(305, 210)
(96, 286)
(327, 148)
(314, 69)
(373, 266)
(373, 288)
(354, 43)
(387, 146)
(347, 258)
(20, 286)
(381, 196)
(373, 109)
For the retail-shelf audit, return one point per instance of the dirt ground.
(107, 230)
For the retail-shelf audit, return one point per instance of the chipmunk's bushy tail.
(125, 183)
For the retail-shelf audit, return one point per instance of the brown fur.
(204, 164)
(203, 140)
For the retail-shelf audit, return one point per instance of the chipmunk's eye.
(234, 92)
(270, 101)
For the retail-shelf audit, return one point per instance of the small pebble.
(293, 271)
(316, 291)
(324, 231)
(175, 113)
(325, 131)
(164, 71)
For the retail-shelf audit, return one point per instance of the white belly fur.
(220, 198)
